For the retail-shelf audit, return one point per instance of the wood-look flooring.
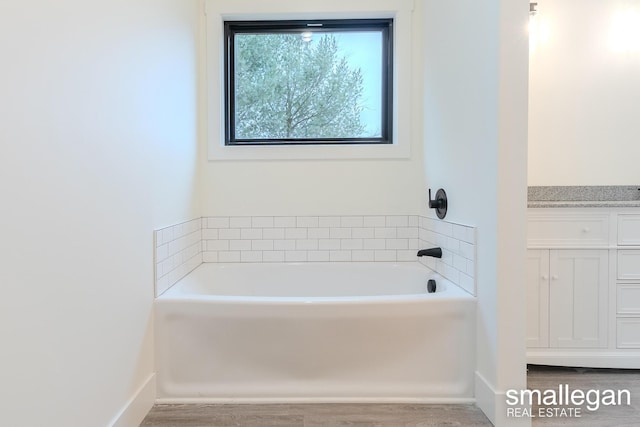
(546, 377)
(405, 415)
(315, 415)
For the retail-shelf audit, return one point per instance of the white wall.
(317, 187)
(98, 148)
(475, 68)
(584, 91)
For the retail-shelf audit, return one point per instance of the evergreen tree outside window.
(308, 82)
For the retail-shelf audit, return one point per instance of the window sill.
(309, 152)
(217, 12)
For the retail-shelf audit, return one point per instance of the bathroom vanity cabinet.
(567, 293)
(583, 287)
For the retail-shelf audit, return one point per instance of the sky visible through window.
(364, 50)
(322, 84)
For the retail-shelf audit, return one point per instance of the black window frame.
(385, 25)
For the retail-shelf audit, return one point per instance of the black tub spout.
(434, 252)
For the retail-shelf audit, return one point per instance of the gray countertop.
(584, 196)
(584, 204)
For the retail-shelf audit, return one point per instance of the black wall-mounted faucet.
(434, 252)
(439, 203)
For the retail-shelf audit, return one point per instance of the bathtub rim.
(452, 291)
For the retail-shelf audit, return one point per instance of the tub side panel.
(408, 350)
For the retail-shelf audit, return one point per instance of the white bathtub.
(316, 332)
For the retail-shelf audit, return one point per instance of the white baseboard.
(494, 405)
(138, 406)
(485, 397)
(313, 400)
(585, 358)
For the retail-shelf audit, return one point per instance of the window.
(308, 82)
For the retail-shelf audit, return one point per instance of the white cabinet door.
(578, 298)
(537, 298)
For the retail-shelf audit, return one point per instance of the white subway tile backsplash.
(340, 233)
(166, 266)
(441, 240)
(194, 237)
(229, 233)
(194, 262)
(162, 252)
(385, 233)
(397, 243)
(374, 244)
(173, 247)
(313, 239)
(329, 221)
(362, 256)
(351, 221)
(262, 245)
(262, 222)
(217, 222)
(467, 283)
(340, 256)
(328, 244)
(351, 244)
(192, 250)
(445, 228)
(177, 251)
(447, 257)
(448, 271)
(407, 233)
(284, 221)
(406, 255)
(251, 256)
(397, 221)
(318, 233)
(374, 221)
(273, 233)
(453, 245)
(174, 275)
(209, 234)
(273, 256)
(239, 245)
(307, 244)
(217, 245)
(460, 263)
(295, 256)
(467, 250)
(240, 222)
(307, 221)
(459, 232)
(471, 235)
(458, 243)
(471, 268)
(284, 245)
(210, 257)
(318, 256)
(429, 262)
(251, 233)
(363, 233)
(162, 284)
(414, 244)
(295, 233)
(229, 256)
(384, 255)
(167, 235)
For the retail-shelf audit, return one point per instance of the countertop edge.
(584, 204)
